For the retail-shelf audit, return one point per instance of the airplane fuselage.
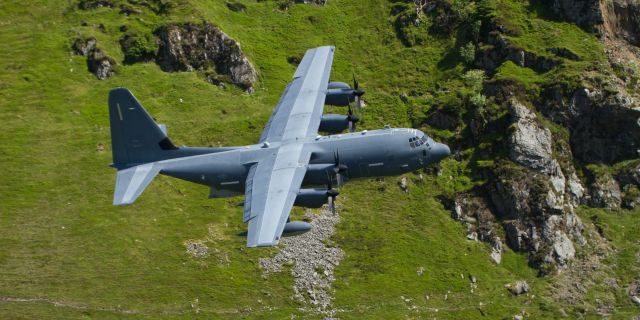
(366, 154)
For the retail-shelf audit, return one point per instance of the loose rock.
(313, 262)
(518, 288)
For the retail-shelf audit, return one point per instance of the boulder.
(496, 251)
(518, 288)
(100, 64)
(203, 47)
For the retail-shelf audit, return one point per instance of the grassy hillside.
(66, 252)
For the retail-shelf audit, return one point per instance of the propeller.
(352, 120)
(357, 92)
(338, 169)
(332, 194)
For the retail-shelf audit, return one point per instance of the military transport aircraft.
(290, 165)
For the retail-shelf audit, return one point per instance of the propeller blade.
(352, 126)
(332, 205)
(355, 82)
(339, 179)
(358, 104)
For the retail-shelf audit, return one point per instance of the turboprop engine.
(314, 198)
(341, 94)
(336, 123)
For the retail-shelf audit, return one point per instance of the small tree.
(474, 79)
(468, 53)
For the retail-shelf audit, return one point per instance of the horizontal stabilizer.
(163, 128)
(132, 181)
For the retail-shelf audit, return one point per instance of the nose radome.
(441, 151)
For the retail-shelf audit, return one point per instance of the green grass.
(62, 240)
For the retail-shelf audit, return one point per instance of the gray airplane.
(290, 165)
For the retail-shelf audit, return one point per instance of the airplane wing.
(270, 197)
(299, 110)
(274, 182)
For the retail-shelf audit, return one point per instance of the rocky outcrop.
(498, 49)
(530, 144)
(203, 47)
(532, 196)
(589, 115)
(98, 62)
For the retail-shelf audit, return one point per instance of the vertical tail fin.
(135, 137)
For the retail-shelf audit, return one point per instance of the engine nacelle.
(311, 198)
(338, 85)
(318, 174)
(334, 123)
(339, 97)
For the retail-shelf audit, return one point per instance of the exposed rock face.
(616, 19)
(475, 212)
(204, 47)
(530, 143)
(585, 13)
(533, 197)
(593, 137)
(589, 116)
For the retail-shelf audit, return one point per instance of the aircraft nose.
(440, 151)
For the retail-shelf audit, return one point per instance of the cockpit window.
(415, 142)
